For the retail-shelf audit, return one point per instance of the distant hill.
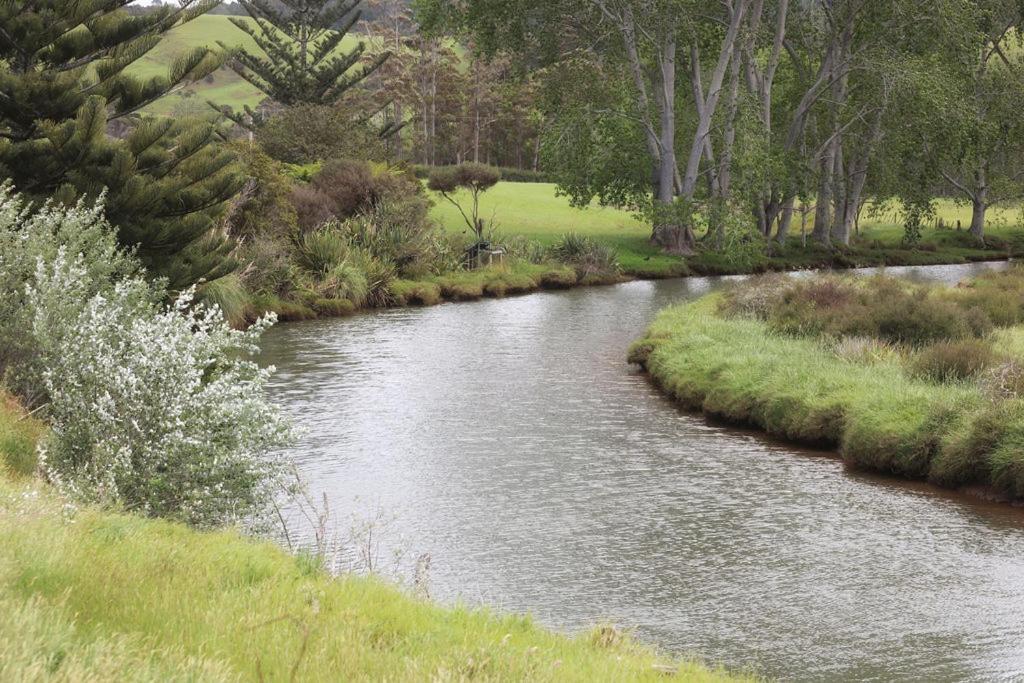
(223, 86)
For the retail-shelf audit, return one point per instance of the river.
(510, 440)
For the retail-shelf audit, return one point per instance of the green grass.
(534, 211)
(224, 86)
(18, 436)
(878, 415)
(92, 595)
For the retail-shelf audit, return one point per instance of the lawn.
(535, 211)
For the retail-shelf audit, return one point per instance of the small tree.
(476, 178)
(300, 60)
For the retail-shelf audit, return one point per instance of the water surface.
(510, 440)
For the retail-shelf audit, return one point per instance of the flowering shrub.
(25, 238)
(156, 408)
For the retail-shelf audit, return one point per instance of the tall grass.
(92, 595)
(102, 596)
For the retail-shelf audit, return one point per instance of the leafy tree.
(63, 80)
(476, 179)
(975, 136)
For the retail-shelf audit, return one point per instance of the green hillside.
(223, 87)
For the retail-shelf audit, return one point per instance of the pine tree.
(63, 80)
(302, 60)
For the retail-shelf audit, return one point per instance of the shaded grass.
(102, 596)
(878, 415)
(19, 433)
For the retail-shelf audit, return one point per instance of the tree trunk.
(823, 208)
(706, 115)
(670, 233)
(978, 209)
(785, 220)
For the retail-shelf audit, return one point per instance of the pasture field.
(536, 212)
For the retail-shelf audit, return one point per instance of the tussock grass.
(92, 595)
(876, 413)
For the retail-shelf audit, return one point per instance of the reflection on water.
(514, 444)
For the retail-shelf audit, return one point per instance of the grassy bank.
(874, 401)
(515, 277)
(92, 595)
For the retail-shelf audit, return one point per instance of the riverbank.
(521, 277)
(948, 411)
(94, 595)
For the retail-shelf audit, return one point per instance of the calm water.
(510, 440)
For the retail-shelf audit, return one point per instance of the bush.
(398, 232)
(949, 361)
(346, 281)
(313, 207)
(321, 251)
(265, 206)
(356, 187)
(268, 266)
(588, 257)
(307, 133)
(879, 307)
(26, 238)
(756, 297)
(156, 410)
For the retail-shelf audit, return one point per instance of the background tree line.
(693, 110)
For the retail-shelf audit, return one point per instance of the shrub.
(156, 410)
(346, 281)
(1004, 380)
(229, 295)
(948, 361)
(306, 133)
(356, 187)
(379, 274)
(921, 319)
(755, 297)
(265, 207)
(398, 232)
(313, 207)
(268, 266)
(321, 251)
(27, 237)
(587, 256)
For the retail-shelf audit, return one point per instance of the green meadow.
(536, 211)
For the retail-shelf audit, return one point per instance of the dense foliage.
(154, 408)
(64, 80)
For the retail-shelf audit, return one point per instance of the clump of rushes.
(591, 260)
(951, 361)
